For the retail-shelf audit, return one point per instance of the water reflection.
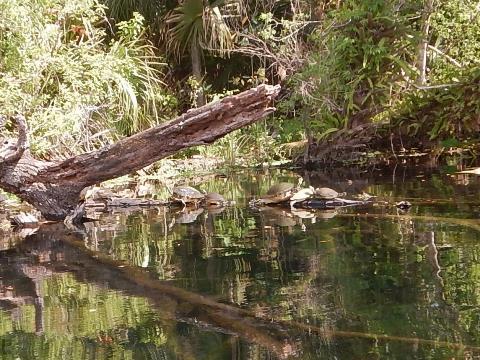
(366, 282)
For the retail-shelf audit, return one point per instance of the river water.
(369, 282)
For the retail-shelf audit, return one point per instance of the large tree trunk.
(54, 187)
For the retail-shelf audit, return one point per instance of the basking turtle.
(186, 195)
(327, 193)
(278, 193)
(214, 199)
(403, 205)
(101, 194)
(302, 195)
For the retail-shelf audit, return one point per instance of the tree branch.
(198, 126)
(11, 153)
(54, 187)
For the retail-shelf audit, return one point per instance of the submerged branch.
(379, 337)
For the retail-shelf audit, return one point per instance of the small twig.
(440, 86)
(448, 57)
(391, 145)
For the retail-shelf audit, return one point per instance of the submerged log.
(54, 187)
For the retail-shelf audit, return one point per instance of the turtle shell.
(186, 194)
(302, 194)
(280, 188)
(214, 198)
(278, 193)
(326, 193)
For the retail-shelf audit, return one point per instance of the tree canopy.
(86, 73)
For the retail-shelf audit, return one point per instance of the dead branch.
(54, 187)
(10, 153)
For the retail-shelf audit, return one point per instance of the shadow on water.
(242, 283)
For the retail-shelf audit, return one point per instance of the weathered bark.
(54, 187)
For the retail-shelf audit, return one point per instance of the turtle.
(278, 193)
(327, 193)
(214, 199)
(403, 205)
(301, 195)
(187, 195)
(96, 195)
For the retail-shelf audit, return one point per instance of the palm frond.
(196, 24)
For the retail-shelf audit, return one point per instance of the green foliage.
(251, 146)
(456, 32)
(358, 66)
(196, 24)
(450, 108)
(83, 81)
(58, 70)
(445, 113)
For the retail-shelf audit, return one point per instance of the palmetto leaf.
(196, 23)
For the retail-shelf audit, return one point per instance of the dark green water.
(359, 283)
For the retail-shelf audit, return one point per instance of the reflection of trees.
(66, 253)
(387, 284)
(71, 314)
(345, 280)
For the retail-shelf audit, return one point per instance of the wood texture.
(54, 187)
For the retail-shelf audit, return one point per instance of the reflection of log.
(54, 187)
(330, 204)
(67, 253)
(23, 280)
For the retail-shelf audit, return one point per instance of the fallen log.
(124, 203)
(54, 187)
